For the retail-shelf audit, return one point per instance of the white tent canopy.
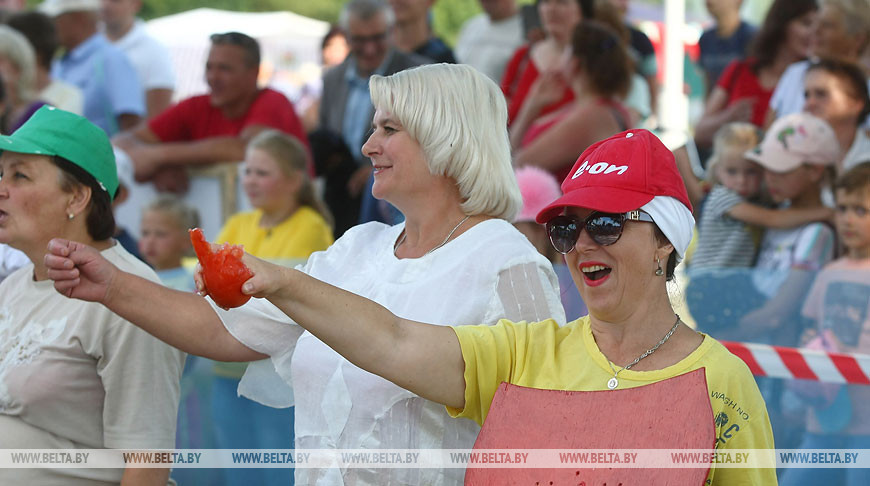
(290, 45)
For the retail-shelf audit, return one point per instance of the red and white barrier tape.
(806, 364)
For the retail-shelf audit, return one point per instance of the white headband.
(674, 219)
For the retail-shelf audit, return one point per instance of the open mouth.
(2, 215)
(595, 273)
(380, 168)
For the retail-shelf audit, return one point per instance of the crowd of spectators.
(782, 195)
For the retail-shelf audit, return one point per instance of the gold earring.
(659, 271)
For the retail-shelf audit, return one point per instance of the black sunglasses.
(604, 228)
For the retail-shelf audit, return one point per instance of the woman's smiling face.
(611, 277)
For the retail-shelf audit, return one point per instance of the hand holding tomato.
(223, 272)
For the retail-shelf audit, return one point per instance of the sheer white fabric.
(487, 273)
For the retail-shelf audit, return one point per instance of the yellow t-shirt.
(297, 237)
(544, 355)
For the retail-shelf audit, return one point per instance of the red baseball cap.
(620, 174)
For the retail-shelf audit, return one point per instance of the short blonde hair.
(185, 215)
(459, 117)
(736, 137)
(15, 47)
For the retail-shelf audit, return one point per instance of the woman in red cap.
(623, 223)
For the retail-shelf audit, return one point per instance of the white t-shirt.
(10, 260)
(808, 247)
(75, 375)
(149, 57)
(65, 96)
(489, 272)
(788, 97)
(859, 151)
(488, 46)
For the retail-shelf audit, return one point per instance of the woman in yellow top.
(623, 223)
(289, 222)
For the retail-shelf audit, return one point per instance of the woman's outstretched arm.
(423, 358)
(181, 319)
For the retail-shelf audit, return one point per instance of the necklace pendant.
(612, 383)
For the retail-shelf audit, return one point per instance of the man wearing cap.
(73, 375)
(113, 96)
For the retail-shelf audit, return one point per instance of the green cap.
(51, 131)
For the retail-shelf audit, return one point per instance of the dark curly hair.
(603, 56)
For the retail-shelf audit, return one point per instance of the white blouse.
(489, 272)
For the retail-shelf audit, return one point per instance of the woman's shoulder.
(495, 233)
(369, 238)
(497, 244)
(722, 365)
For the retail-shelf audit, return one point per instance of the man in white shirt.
(488, 40)
(149, 57)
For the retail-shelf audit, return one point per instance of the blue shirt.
(718, 52)
(107, 80)
(358, 109)
(436, 50)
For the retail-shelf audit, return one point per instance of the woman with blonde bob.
(441, 156)
(18, 72)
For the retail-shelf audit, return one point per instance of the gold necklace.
(405, 234)
(614, 382)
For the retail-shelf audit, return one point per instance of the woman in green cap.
(73, 375)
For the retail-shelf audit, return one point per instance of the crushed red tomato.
(222, 271)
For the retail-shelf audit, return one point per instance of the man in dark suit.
(346, 106)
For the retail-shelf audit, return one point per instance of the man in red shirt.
(210, 128)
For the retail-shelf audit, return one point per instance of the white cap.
(53, 8)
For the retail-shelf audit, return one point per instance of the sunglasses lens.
(605, 229)
(563, 232)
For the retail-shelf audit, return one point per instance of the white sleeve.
(528, 292)
(161, 74)
(260, 326)
(263, 327)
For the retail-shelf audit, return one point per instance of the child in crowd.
(733, 209)
(799, 153)
(289, 222)
(839, 304)
(165, 240)
(729, 230)
(164, 244)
